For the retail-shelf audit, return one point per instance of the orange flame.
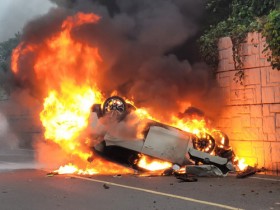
(66, 70)
(71, 169)
(152, 164)
(240, 163)
(98, 166)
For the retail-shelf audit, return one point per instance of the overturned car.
(160, 142)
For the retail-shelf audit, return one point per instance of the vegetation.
(272, 33)
(235, 18)
(6, 49)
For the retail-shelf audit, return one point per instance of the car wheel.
(205, 143)
(115, 107)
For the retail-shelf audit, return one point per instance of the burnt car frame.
(160, 141)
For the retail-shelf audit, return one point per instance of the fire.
(71, 169)
(64, 117)
(241, 165)
(98, 166)
(194, 126)
(66, 71)
(17, 52)
(151, 164)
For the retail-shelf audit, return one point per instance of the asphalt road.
(28, 189)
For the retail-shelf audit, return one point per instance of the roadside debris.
(204, 170)
(105, 186)
(249, 171)
(51, 174)
(221, 163)
(186, 178)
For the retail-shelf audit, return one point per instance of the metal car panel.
(169, 144)
(133, 144)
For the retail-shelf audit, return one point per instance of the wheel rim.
(205, 143)
(114, 106)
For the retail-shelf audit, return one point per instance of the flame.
(20, 50)
(66, 71)
(98, 166)
(152, 164)
(193, 126)
(65, 116)
(71, 169)
(240, 163)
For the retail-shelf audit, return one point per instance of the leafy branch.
(6, 49)
(236, 18)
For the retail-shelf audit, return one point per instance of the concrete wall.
(252, 114)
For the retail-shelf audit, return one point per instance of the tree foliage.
(235, 18)
(6, 49)
(272, 33)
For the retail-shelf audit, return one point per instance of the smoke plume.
(8, 140)
(135, 40)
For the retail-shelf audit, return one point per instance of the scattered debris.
(105, 186)
(51, 174)
(205, 158)
(249, 171)
(117, 176)
(168, 172)
(176, 167)
(204, 170)
(186, 178)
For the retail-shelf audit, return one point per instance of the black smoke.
(138, 41)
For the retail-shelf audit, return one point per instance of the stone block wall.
(251, 117)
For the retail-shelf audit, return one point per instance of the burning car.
(67, 95)
(158, 141)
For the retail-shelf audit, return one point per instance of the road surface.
(28, 188)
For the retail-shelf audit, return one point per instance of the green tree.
(235, 18)
(272, 33)
(6, 49)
